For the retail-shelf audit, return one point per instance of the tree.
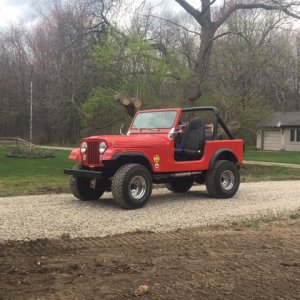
(254, 71)
(14, 80)
(60, 48)
(178, 45)
(211, 22)
(133, 67)
(237, 69)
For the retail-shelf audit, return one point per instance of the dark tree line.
(55, 55)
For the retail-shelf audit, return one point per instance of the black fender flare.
(132, 157)
(223, 154)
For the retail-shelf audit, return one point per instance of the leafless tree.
(13, 82)
(210, 20)
(58, 49)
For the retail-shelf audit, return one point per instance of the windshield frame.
(157, 129)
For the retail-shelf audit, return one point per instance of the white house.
(280, 133)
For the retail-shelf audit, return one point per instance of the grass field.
(252, 173)
(40, 176)
(272, 156)
(19, 176)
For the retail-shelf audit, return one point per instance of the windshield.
(155, 120)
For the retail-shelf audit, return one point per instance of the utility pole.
(30, 121)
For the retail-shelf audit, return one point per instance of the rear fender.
(223, 154)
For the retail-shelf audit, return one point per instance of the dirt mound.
(203, 263)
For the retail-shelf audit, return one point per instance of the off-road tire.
(223, 180)
(132, 186)
(81, 187)
(180, 185)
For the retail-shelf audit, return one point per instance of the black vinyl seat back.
(193, 141)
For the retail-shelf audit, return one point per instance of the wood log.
(131, 105)
(118, 97)
(125, 101)
(137, 103)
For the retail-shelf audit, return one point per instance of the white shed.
(280, 133)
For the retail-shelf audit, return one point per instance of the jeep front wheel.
(223, 180)
(132, 186)
(81, 187)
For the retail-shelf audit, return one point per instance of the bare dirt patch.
(202, 263)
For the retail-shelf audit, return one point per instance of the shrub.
(25, 152)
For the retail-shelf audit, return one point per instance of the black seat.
(192, 142)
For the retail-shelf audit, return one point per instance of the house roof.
(283, 119)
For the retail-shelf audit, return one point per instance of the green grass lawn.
(252, 173)
(19, 176)
(272, 156)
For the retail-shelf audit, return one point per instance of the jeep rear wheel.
(81, 187)
(132, 186)
(223, 180)
(180, 185)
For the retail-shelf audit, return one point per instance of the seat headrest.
(195, 123)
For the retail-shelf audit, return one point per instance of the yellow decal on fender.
(156, 158)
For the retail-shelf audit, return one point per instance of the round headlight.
(102, 147)
(83, 147)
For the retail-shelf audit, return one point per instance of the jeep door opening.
(174, 146)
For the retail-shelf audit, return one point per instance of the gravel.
(51, 216)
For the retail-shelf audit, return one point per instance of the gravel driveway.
(50, 216)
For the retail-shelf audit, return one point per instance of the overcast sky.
(12, 11)
(16, 11)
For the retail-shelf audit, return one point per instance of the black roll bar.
(218, 119)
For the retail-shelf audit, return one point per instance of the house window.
(295, 135)
(292, 136)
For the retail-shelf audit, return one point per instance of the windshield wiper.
(151, 129)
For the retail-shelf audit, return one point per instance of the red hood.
(133, 141)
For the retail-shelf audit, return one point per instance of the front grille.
(93, 153)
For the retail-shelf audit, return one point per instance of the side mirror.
(122, 129)
(172, 134)
(182, 127)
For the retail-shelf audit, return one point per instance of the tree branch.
(230, 32)
(174, 23)
(239, 6)
(191, 10)
(204, 9)
(267, 31)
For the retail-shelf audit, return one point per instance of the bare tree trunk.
(210, 26)
(203, 60)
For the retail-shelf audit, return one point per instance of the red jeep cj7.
(174, 146)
